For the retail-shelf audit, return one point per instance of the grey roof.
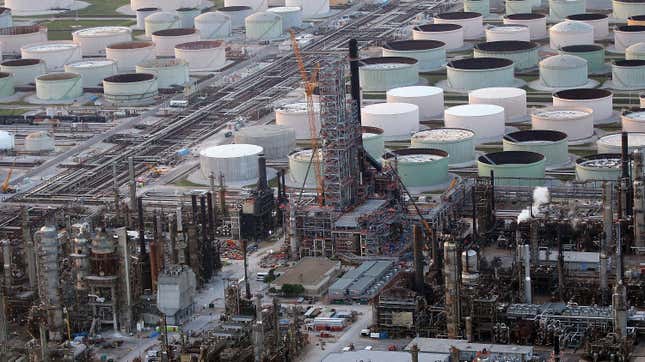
(374, 356)
(350, 219)
(441, 345)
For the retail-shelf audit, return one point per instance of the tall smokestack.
(211, 215)
(605, 241)
(355, 78)
(206, 257)
(528, 293)
(142, 230)
(626, 181)
(452, 295)
(262, 170)
(418, 259)
(193, 204)
(474, 213)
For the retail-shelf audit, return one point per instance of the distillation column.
(451, 274)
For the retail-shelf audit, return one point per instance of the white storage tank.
(599, 22)
(450, 34)
(169, 72)
(165, 5)
(127, 55)
(575, 122)
(519, 6)
(39, 142)
(384, 73)
(263, 26)
(570, 33)
(7, 141)
(600, 100)
(523, 54)
(553, 145)
(28, 7)
(276, 141)
(560, 9)
(55, 54)
(627, 35)
(59, 86)
(295, 116)
(473, 23)
(256, 5)
(473, 73)
(624, 9)
(24, 71)
(142, 14)
(628, 74)
(6, 21)
(563, 71)
(161, 20)
(187, 16)
(513, 168)
(486, 120)
(428, 99)
(512, 99)
(534, 21)
(92, 71)
(430, 54)
(477, 6)
(301, 167)
(635, 51)
(93, 41)
(458, 142)
(642, 97)
(310, 8)
(399, 121)
(633, 120)
(291, 16)
(238, 14)
(508, 32)
(237, 162)
(612, 143)
(166, 40)
(419, 167)
(600, 167)
(131, 89)
(373, 141)
(636, 20)
(204, 55)
(7, 85)
(214, 25)
(594, 54)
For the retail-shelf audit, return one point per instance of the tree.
(292, 290)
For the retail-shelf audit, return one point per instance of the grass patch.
(186, 183)
(102, 7)
(12, 112)
(62, 29)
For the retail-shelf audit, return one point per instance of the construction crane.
(310, 84)
(6, 188)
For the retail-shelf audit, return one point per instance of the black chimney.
(262, 179)
(142, 231)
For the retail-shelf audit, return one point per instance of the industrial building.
(314, 274)
(363, 282)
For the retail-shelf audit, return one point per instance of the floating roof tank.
(384, 73)
(519, 6)
(161, 20)
(28, 7)
(472, 22)
(7, 85)
(524, 54)
(165, 5)
(6, 19)
(295, 116)
(450, 34)
(512, 99)
(507, 32)
(633, 120)
(263, 26)
(458, 142)
(600, 100)
(92, 71)
(127, 55)
(600, 167)
(428, 99)
(594, 54)
(627, 35)
(560, 9)
(203, 55)
(635, 51)
(636, 20)
(187, 16)
(397, 120)
(142, 14)
(553, 145)
(59, 86)
(237, 162)
(276, 141)
(535, 22)
(291, 16)
(93, 41)
(612, 142)
(166, 40)
(624, 9)
(513, 168)
(477, 6)
(430, 54)
(419, 167)
(310, 8)
(214, 25)
(256, 5)
(301, 168)
(628, 74)
(169, 72)
(486, 120)
(237, 14)
(131, 89)
(7, 140)
(38, 142)
(55, 54)
(575, 122)
(373, 141)
(570, 33)
(563, 71)
(24, 71)
(15, 37)
(599, 22)
(473, 73)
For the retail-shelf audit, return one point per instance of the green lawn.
(102, 7)
(12, 112)
(62, 29)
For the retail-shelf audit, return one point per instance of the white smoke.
(541, 196)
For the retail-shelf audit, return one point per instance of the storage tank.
(600, 100)
(553, 145)
(131, 89)
(636, 20)
(301, 167)
(523, 54)
(428, 99)
(594, 54)
(535, 22)
(628, 74)
(513, 168)
(7, 141)
(276, 141)
(39, 142)
(633, 120)
(93, 41)
(397, 120)
(204, 55)
(419, 167)
(237, 14)
(600, 167)
(295, 116)
(508, 32)
(450, 34)
(6, 21)
(59, 86)
(477, 6)
(310, 8)
(15, 37)
(127, 55)
(486, 120)
(214, 25)
(635, 51)
(513, 100)
(92, 71)
(373, 141)
(599, 22)
(161, 20)
(7, 85)
(627, 35)
(612, 142)
(55, 54)
(187, 16)
(575, 122)
(291, 16)
(624, 9)
(560, 9)
(165, 5)
(473, 23)
(263, 26)
(166, 40)
(237, 162)
(430, 54)
(24, 71)
(29, 7)
(519, 6)
(642, 100)
(570, 33)
(169, 72)
(458, 142)
(142, 14)
(473, 73)
(255, 5)
(384, 73)
(563, 71)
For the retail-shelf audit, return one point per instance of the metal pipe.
(123, 242)
(133, 184)
(605, 241)
(262, 171)
(418, 259)
(528, 292)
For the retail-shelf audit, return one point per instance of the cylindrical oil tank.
(237, 162)
(169, 72)
(203, 55)
(428, 99)
(430, 54)
(39, 142)
(512, 99)
(166, 40)
(237, 14)
(419, 167)
(594, 54)
(600, 167)
(131, 89)
(92, 71)
(473, 73)
(642, 100)
(472, 22)
(31, 6)
(93, 41)
(627, 35)
(301, 167)
(263, 26)
(519, 6)
(570, 33)
(165, 5)
(127, 55)
(508, 32)
(628, 74)
(524, 54)
(612, 142)
(59, 86)
(458, 142)
(256, 5)
(295, 116)
(310, 8)
(599, 22)
(24, 71)
(563, 71)
(6, 20)
(575, 122)
(633, 120)
(276, 141)
(560, 9)
(624, 9)
(600, 100)
(55, 54)
(7, 85)
(291, 16)
(187, 16)
(513, 168)
(450, 34)
(486, 120)
(469, 262)
(214, 25)
(397, 120)
(384, 73)
(15, 37)
(635, 51)
(7, 141)
(477, 6)
(161, 20)
(553, 145)
(636, 20)
(142, 14)
(373, 141)
(534, 21)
